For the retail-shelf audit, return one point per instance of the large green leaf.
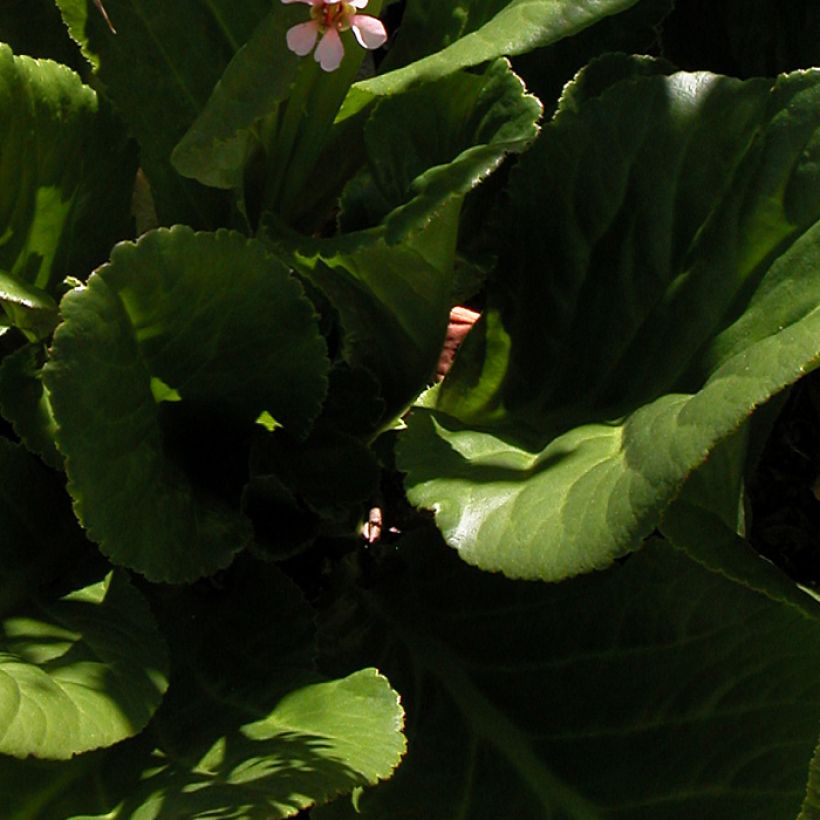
(655, 689)
(658, 283)
(82, 672)
(246, 729)
(66, 174)
(437, 142)
(319, 741)
(159, 70)
(208, 318)
(485, 29)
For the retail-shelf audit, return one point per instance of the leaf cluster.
(254, 561)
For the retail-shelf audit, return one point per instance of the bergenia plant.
(270, 547)
(328, 18)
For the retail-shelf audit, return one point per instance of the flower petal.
(308, 2)
(330, 50)
(359, 4)
(369, 31)
(302, 38)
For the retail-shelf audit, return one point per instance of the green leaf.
(25, 404)
(546, 71)
(707, 540)
(438, 142)
(392, 300)
(215, 318)
(504, 28)
(707, 521)
(658, 285)
(319, 741)
(245, 730)
(79, 673)
(67, 172)
(31, 308)
(654, 689)
(159, 70)
(216, 147)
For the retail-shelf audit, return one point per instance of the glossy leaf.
(658, 285)
(504, 28)
(319, 741)
(219, 321)
(79, 673)
(654, 689)
(66, 173)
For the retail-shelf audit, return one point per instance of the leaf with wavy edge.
(692, 253)
(83, 672)
(245, 731)
(438, 142)
(517, 27)
(221, 322)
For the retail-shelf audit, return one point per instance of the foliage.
(253, 563)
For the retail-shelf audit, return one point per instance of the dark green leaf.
(392, 300)
(216, 147)
(36, 550)
(438, 142)
(245, 730)
(159, 70)
(24, 403)
(658, 284)
(219, 321)
(654, 689)
(495, 28)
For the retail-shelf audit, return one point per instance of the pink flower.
(328, 18)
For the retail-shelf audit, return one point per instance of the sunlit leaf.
(66, 173)
(79, 673)
(658, 283)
